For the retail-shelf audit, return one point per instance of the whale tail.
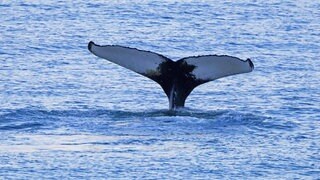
(177, 78)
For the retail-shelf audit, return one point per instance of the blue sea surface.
(66, 114)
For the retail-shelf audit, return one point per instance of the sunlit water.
(65, 113)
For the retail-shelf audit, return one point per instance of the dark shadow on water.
(207, 119)
(20, 126)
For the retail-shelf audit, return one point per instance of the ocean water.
(66, 114)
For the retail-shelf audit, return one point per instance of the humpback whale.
(177, 78)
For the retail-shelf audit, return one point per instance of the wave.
(99, 119)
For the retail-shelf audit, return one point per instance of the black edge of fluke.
(90, 45)
(250, 63)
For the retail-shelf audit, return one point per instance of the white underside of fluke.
(172, 97)
(214, 67)
(136, 60)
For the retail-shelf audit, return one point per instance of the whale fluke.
(177, 78)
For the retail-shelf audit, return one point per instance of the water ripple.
(67, 114)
